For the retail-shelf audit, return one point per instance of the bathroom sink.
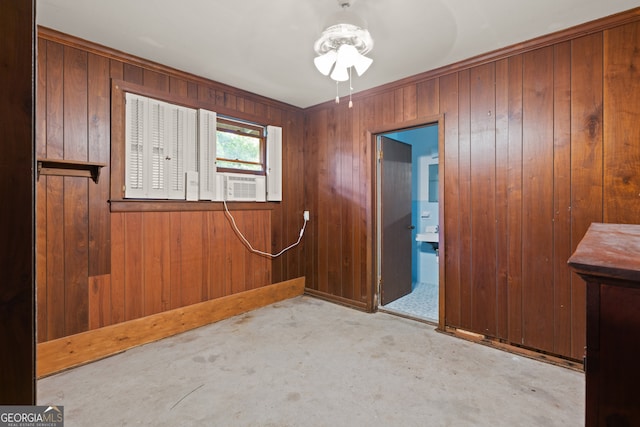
(427, 237)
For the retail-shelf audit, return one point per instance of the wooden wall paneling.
(116, 69)
(99, 141)
(192, 90)
(133, 266)
(310, 197)
(586, 164)
(230, 242)
(293, 264)
(514, 200)
(410, 103)
(346, 206)
(262, 272)
(133, 73)
(365, 240)
(230, 101)
(398, 107)
(218, 245)
(537, 199)
(251, 261)
(155, 80)
(240, 104)
(76, 255)
(220, 97)
(334, 203)
(17, 292)
(55, 101)
(483, 199)
(501, 196)
(249, 106)
(323, 146)
(178, 87)
(238, 254)
(118, 264)
(451, 199)
(75, 210)
(359, 162)
(175, 250)
(55, 301)
(464, 184)
(99, 301)
(207, 95)
(621, 132)
(156, 262)
(207, 256)
(562, 198)
(385, 108)
(41, 193)
(428, 96)
(191, 259)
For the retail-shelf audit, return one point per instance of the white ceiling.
(266, 47)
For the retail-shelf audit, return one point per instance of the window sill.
(137, 205)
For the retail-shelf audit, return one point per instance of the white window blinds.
(274, 163)
(161, 145)
(207, 154)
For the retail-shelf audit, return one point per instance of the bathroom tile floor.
(422, 302)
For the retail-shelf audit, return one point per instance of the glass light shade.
(324, 62)
(347, 56)
(340, 74)
(362, 64)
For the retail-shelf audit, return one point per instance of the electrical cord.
(256, 251)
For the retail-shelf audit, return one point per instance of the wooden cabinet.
(608, 258)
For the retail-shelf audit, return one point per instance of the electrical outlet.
(305, 215)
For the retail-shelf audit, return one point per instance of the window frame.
(117, 167)
(263, 145)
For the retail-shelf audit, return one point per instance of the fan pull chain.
(337, 93)
(350, 88)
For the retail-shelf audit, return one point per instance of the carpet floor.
(307, 362)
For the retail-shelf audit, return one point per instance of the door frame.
(372, 135)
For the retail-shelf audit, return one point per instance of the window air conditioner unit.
(244, 188)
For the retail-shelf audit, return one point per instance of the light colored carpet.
(307, 362)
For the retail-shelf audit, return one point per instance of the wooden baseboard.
(75, 350)
(359, 305)
(522, 351)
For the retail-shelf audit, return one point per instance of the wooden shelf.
(69, 168)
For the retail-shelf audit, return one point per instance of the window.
(240, 146)
(175, 152)
(160, 148)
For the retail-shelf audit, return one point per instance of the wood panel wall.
(17, 290)
(97, 267)
(540, 140)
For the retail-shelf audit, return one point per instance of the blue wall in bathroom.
(424, 149)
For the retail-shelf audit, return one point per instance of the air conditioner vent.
(244, 188)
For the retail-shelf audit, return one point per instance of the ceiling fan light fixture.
(340, 74)
(324, 62)
(362, 64)
(343, 45)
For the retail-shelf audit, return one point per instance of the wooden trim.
(521, 351)
(152, 205)
(571, 33)
(360, 305)
(75, 350)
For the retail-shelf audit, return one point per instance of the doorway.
(409, 223)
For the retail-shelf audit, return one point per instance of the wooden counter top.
(609, 250)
